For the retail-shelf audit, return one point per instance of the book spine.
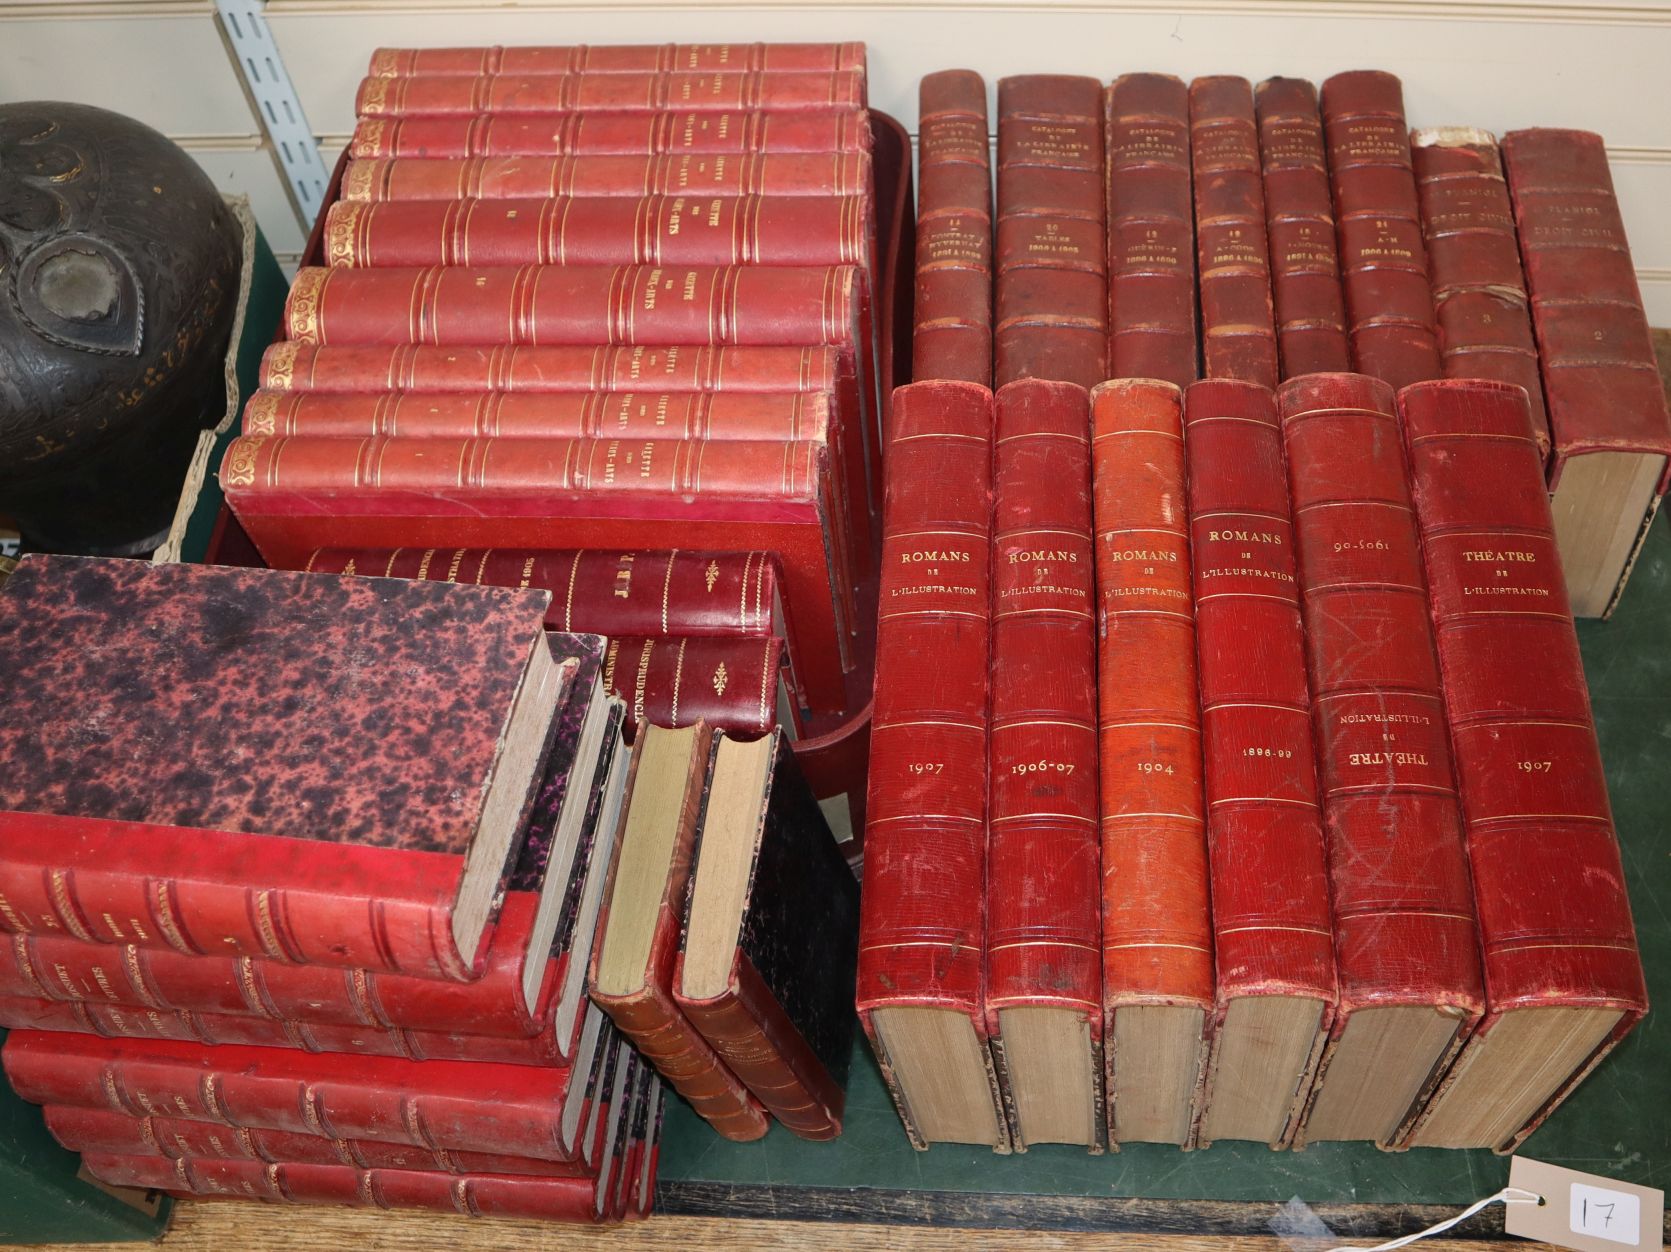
(1383, 263)
(96, 880)
(610, 134)
(228, 1085)
(99, 1130)
(732, 684)
(643, 468)
(776, 174)
(566, 230)
(1052, 265)
(1554, 914)
(454, 95)
(1151, 231)
(577, 305)
(51, 966)
(953, 327)
(1473, 254)
(291, 1182)
(753, 1035)
(115, 1021)
(724, 594)
(1266, 857)
(667, 58)
(291, 366)
(1299, 221)
(1043, 887)
(1403, 909)
(1600, 377)
(922, 910)
(720, 417)
(1238, 327)
(1156, 934)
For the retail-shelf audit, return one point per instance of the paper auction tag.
(1584, 1212)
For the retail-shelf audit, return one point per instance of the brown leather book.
(953, 328)
(638, 943)
(765, 969)
(1052, 301)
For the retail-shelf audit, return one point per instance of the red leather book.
(953, 321)
(453, 95)
(1043, 926)
(470, 1106)
(290, 366)
(1607, 409)
(392, 857)
(1151, 231)
(61, 967)
(731, 684)
(1299, 221)
(638, 943)
(725, 594)
(1051, 299)
(1563, 977)
(1273, 944)
(578, 305)
(170, 1138)
(119, 1021)
(609, 134)
(1238, 328)
(569, 230)
(721, 417)
(922, 912)
(666, 58)
(1473, 256)
(1383, 263)
(1406, 944)
(777, 174)
(1157, 967)
(765, 965)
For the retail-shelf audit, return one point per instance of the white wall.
(1493, 63)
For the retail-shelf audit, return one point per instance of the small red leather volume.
(1473, 254)
(953, 321)
(598, 591)
(1299, 221)
(1157, 967)
(1406, 945)
(602, 230)
(1238, 328)
(609, 177)
(580, 305)
(922, 911)
(609, 134)
(290, 366)
(100, 1130)
(211, 817)
(638, 936)
(516, 1110)
(1273, 944)
(1043, 931)
(664, 58)
(1151, 231)
(1051, 318)
(1383, 263)
(731, 684)
(455, 95)
(628, 415)
(1600, 376)
(1563, 977)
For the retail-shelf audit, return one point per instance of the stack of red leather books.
(1217, 528)
(611, 299)
(312, 921)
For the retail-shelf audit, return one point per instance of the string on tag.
(1508, 1195)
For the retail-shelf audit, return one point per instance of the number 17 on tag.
(1583, 1211)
